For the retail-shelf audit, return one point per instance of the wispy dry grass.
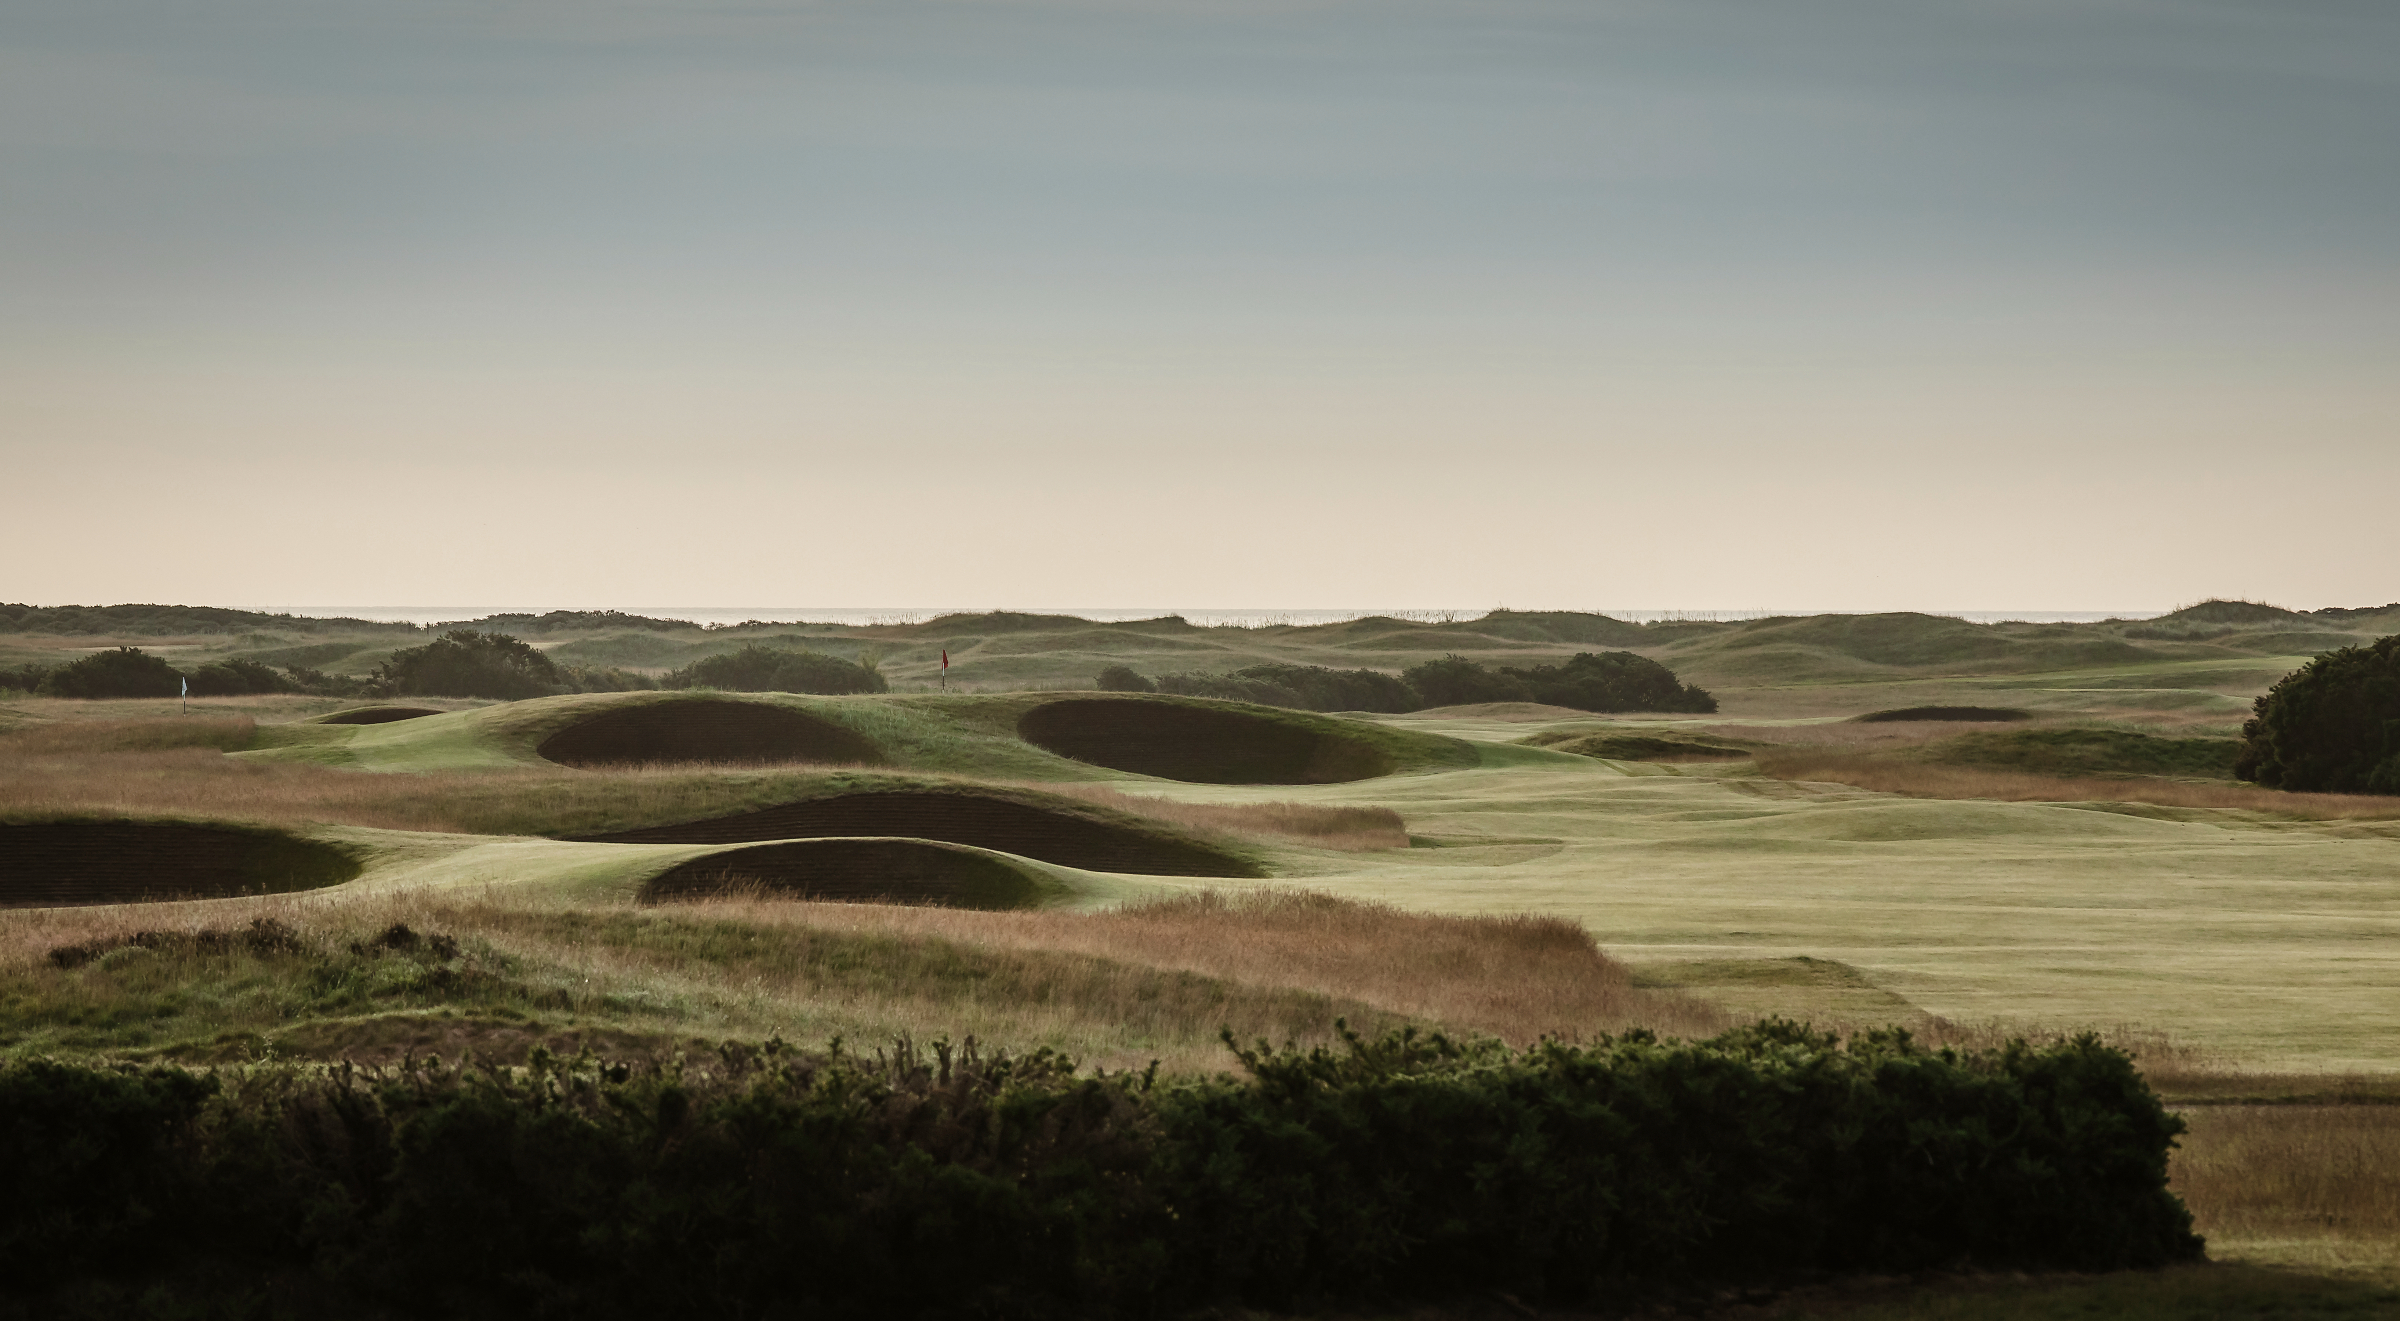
(1118, 988)
(2305, 1184)
(1519, 978)
(1919, 779)
(1355, 829)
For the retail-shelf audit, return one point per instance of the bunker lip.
(1202, 744)
(704, 730)
(75, 864)
(1983, 714)
(855, 871)
(978, 820)
(376, 715)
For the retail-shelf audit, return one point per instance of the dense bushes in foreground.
(768, 1184)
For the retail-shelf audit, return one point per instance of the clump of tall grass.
(2309, 1180)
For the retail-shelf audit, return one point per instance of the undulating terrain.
(1124, 875)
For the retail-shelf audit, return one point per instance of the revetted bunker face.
(1970, 714)
(853, 871)
(1199, 744)
(704, 731)
(377, 715)
(983, 822)
(75, 864)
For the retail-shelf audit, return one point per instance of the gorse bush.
(1297, 687)
(1612, 681)
(1456, 681)
(1122, 679)
(1588, 681)
(121, 672)
(233, 678)
(23, 678)
(2331, 726)
(465, 663)
(948, 1183)
(760, 669)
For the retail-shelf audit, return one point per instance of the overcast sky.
(1855, 304)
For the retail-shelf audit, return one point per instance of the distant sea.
(1252, 618)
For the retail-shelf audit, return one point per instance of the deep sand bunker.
(854, 871)
(376, 715)
(1969, 714)
(75, 864)
(704, 731)
(981, 821)
(1198, 744)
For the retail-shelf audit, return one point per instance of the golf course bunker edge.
(981, 821)
(73, 864)
(376, 715)
(1201, 745)
(917, 872)
(705, 730)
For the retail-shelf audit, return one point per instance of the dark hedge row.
(770, 1184)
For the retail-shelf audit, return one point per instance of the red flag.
(945, 658)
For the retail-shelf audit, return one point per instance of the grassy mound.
(704, 730)
(859, 871)
(2092, 752)
(376, 715)
(66, 864)
(1992, 714)
(986, 820)
(1633, 747)
(1204, 742)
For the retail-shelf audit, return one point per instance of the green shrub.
(760, 669)
(768, 1183)
(1298, 687)
(1456, 681)
(465, 663)
(123, 672)
(1122, 679)
(1613, 681)
(1589, 681)
(606, 679)
(23, 678)
(2331, 726)
(233, 678)
(322, 684)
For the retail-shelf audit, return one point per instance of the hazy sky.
(1860, 304)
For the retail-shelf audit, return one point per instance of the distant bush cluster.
(952, 1183)
(2331, 726)
(761, 669)
(461, 663)
(1588, 681)
(1299, 687)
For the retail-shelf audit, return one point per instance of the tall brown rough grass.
(2300, 1182)
(1116, 988)
(1518, 978)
